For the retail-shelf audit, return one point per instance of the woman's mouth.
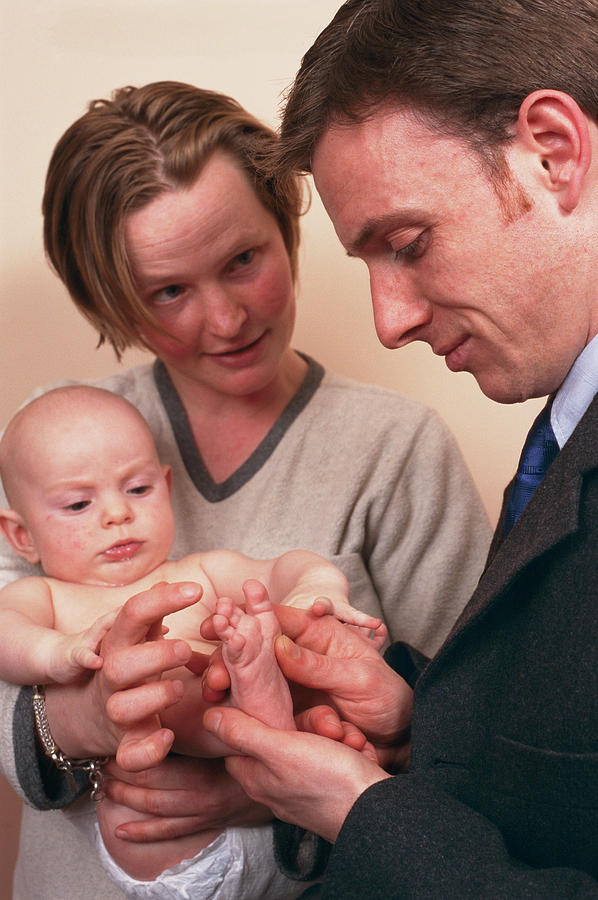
(244, 355)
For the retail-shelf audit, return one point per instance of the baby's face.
(98, 507)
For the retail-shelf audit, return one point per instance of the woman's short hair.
(122, 154)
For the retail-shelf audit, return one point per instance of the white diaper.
(237, 865)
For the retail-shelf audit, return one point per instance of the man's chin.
(501, 392)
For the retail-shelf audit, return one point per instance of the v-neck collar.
(214, 492)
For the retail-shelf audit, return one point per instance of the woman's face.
(211, 266)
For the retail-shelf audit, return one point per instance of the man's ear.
(14, 530)
(552, 125)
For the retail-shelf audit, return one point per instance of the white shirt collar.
(576, 393)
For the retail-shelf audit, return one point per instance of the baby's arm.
(31, 651)
(308, 581)
(297, 578)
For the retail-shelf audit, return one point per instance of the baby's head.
(89, 498)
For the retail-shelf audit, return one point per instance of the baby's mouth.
(122, 550)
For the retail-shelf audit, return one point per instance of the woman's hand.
(121, 702)
(182, 796)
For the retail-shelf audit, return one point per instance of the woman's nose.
(224, 317)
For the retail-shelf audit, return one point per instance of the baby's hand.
(371, 627)
(74, 653)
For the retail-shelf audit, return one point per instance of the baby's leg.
(258, 687)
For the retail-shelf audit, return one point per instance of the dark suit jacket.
(502, 797)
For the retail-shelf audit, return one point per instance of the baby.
(90, 502)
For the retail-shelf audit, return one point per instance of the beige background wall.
(57, 56)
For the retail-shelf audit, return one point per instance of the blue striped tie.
(538, 453)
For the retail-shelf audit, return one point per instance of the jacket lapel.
(551, 515)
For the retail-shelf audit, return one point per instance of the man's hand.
(341, 667)
(285, 770)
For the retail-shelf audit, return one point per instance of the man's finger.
(320, 720)
(245, 735)
(293, 621)
(311, 669)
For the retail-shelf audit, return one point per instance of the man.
(454, 144)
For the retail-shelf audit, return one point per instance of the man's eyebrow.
(396, 219)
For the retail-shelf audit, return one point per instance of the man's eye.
(412, 250)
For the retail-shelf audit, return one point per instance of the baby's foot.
(258, 687)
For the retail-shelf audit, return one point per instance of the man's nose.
(400, 314)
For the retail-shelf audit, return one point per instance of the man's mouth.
(455, 353)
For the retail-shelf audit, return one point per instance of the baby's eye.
(78, 505)
(140, 490)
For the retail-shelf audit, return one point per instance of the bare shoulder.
(188, 568)
(31, 596)
(30, 586)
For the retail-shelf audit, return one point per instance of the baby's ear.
(18, 536)
(167, 473)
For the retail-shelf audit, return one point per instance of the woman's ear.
(552, 125)
(18, 536)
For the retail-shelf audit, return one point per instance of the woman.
(163, 222)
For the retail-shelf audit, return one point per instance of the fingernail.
(188, 590)
(289, 647)
(212, 720)
(122, 834)
(178, 687)
(182, 651)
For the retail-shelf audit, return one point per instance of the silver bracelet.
(93, 767)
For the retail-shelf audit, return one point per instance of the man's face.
(485, 277)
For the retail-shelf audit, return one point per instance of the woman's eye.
(243, 259)
(167, 294)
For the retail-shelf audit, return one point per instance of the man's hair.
(122, 154)
(464, 65)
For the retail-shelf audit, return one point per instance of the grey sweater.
(357, 473)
